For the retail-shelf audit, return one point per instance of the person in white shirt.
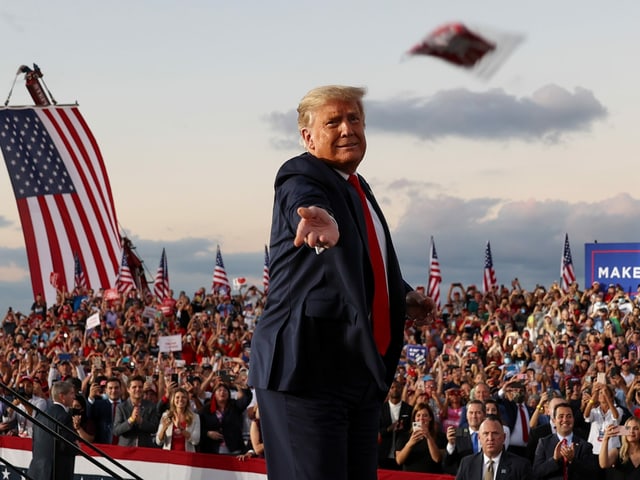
(493, 462)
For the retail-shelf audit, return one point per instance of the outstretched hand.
(420, 308)
(316, 228)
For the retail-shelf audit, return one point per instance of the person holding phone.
(420, 448)
(622, 463)
(102, 411)
(600, 411)
(179, 427)
(464, 441)
(394, 419)
(222, 420)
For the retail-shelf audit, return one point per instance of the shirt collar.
(496, 459)
(569, 438)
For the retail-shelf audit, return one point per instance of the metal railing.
(34, 419)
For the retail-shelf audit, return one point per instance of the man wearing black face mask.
(511, 398)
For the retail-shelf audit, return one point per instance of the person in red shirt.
(233, 347)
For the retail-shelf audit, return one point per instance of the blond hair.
(624, 450)
(188, 413)
(321, 95)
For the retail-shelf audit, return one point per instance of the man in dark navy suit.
(326, 348)
(53, 458)
(563, 455)
(394, 419)
(464, 441)
(103, 411)
(494, 461)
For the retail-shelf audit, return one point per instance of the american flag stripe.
(266, 278)
(567, 273)
(93, 189)
(220, 281)
(71, 213)
(161, 283)
(435, 276)
(79, 280)
(89, 178)
(125, 280)
(489, 279)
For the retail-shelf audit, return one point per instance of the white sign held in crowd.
(93, 321)
(170, 343)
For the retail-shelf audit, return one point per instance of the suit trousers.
(329, 433)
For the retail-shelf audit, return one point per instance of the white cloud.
(549, 114)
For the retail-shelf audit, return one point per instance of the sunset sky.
(193, 105)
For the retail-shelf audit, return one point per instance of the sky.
(193, 106)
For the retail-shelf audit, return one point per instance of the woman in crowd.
(452, 410)
(633, 398)
(179, 426)
(255, 433)
(601, 411)
(83, 425)
(420, 449)
(623, 463)
(541, 415)
(222, 420)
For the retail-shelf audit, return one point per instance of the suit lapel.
(369, 194)
(504, 468)
(477, 466)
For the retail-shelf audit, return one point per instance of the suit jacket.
(193, 429)
(136, 435)
(52, 458)
(386, 437)
(511, 467)
(101, 412)
(583, 466)
(230, 425)
(535, 435)
(510, 412)
(463, 448)
(316, 320)
(545, 430)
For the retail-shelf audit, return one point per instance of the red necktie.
(380, 309)
(565, 470)
(114, 440)
(523, 423)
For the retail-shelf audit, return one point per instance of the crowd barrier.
(158, 464)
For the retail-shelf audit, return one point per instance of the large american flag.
(435, 276)
(161, 282)
(489, 279)
(63, 195)
(79, 278)
(265, 271)
(125, 280)
(220, 283)
(567, 274)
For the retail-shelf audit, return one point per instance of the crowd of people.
(131, 390)
(549, 364)
(558, 369)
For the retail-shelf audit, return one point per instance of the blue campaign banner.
(613, 263)
(416, 353)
